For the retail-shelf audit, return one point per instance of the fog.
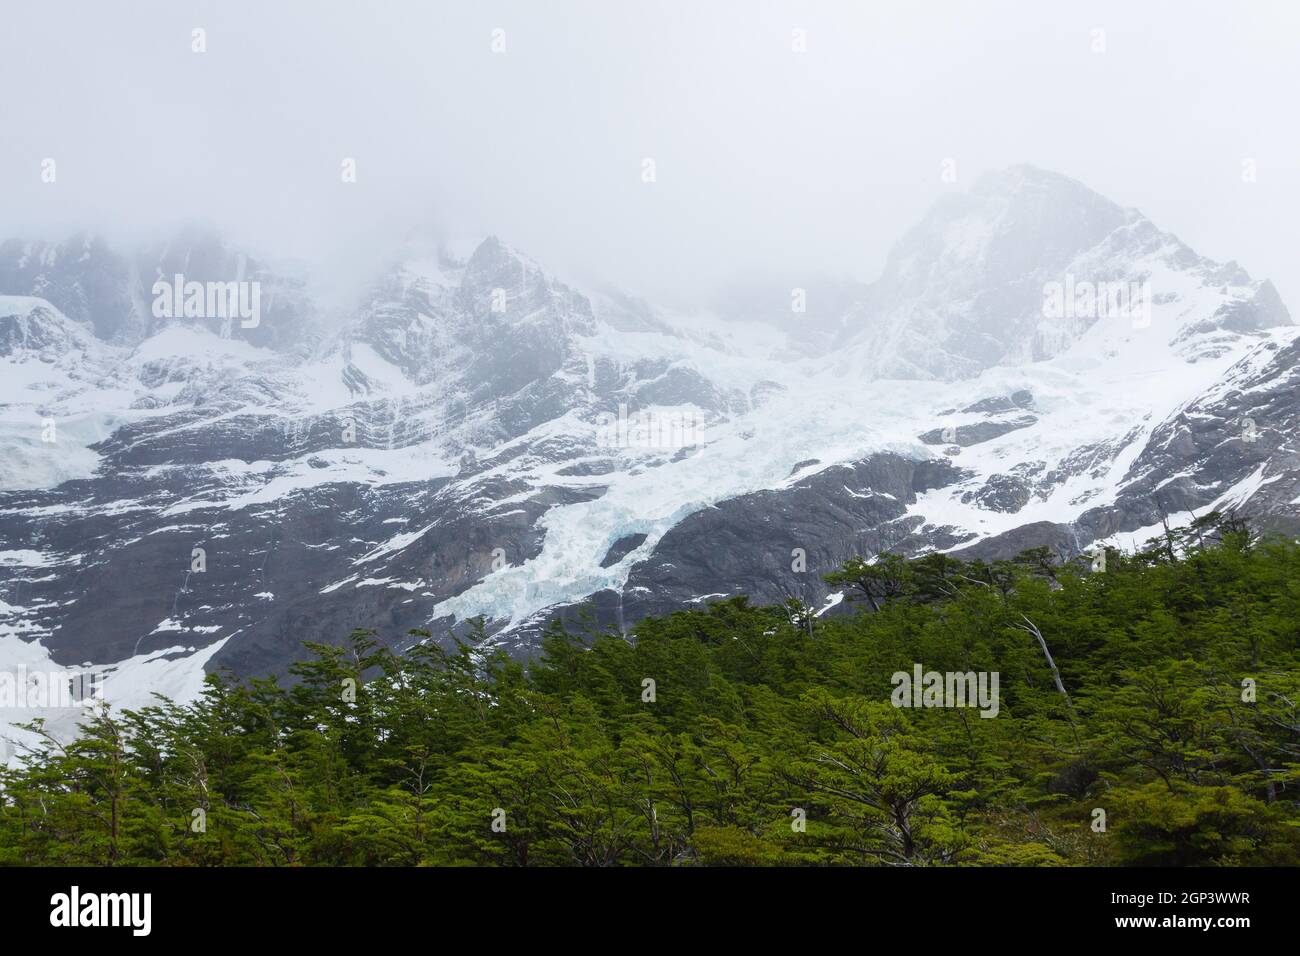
(768, 162)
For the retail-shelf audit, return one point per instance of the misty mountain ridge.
(480, 438)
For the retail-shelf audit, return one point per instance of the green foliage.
(1163, 691)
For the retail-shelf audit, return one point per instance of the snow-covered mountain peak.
(1019, 266)
(1006, 225)
(32, 325)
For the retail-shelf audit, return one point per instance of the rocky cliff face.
(111, 291)
(482, 439)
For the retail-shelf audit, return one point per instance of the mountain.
(111, 292)
(963, 291)
(1035, 366)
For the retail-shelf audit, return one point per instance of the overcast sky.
(767, 161)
